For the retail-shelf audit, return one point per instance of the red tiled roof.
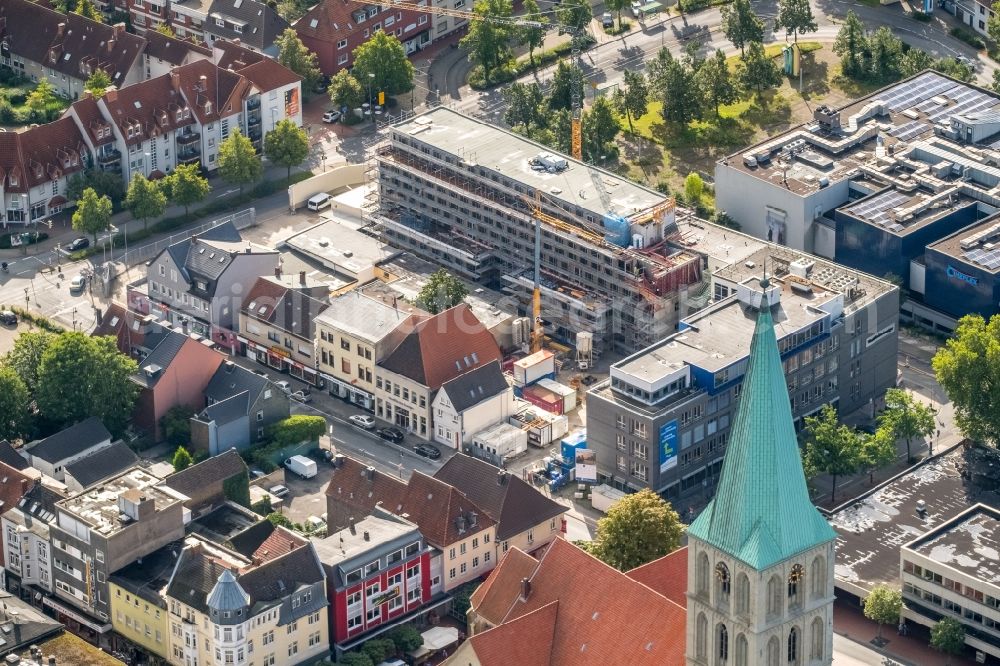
(13, 486)
(150, 108)
(533, 635)
(667, 575)
(264, 295)
(51, 151)
(214, 92)
(92, 120)
(442, 347)
(173, 50)
(492, 600)
(68, 43)
(235, 56)
(278, 543)
(57, 200)
(11, 164)
(604, 617)
(269, 75)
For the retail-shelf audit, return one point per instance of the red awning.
(58, 200)
(156, 174)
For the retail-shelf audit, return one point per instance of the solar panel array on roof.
(986, 258)
(876, 209)
(915, 91)
(909, 130)
(966, 100)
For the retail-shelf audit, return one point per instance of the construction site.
(602, 252)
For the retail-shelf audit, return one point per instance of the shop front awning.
(75, 615)
(435, 639)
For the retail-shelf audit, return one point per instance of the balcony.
(109, 157)
(188, 138)
(253, 103)
(188, 156)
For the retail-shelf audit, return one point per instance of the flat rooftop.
(98, 506)
(723, 246)
(507, 153)
(368, 533)
(908, 144)
(367, 318)
(970, 543)
(225, 522)
(872, 529)
(977, 244)
(338, 245)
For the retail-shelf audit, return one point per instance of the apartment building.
(663, 418)
(470, 403)
(255, 24)
(354, 334)
(138, 610)
(163, 53)
(378, 575)
(267, 607)
(460, 192)
(278, 323)
(188, 17)
(101, 530)
(443, 24)
(66, 48)
(436, 350)
(27, 546)
(967, 588)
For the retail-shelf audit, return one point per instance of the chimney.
(525, 589)
(110, 95)
(60, 29)
(119, 28)
(24, 486)
(501, 478)
(277, 272)
(370, 473)
(367, 536)
(236, 40)
(247, 250)
(175, 80)
(203, 81)
(351, 521)
(302, 278)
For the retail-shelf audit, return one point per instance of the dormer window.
(208, 107)
(53, 56)
(221, 23)
(238, 29)
(180, 114)
(13, 183)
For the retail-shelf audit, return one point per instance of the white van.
(319, 201)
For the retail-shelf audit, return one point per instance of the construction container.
(542, 427)
(567, 393)
(530, 369)
(502, 441)
(603, 497)
(543, 398)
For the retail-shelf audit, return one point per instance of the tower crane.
(576, 128)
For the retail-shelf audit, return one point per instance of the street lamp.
(25, 212)
(323, 157)
(74, 320)
(371, 106)
(145, 163)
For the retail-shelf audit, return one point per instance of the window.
(342, 44)
(742, 594)
(818, 574)
(701, 637)
(795, 585)
(722, 584)
(702, 574)
(220, 22)
(774, 596)
(268, 638)
(816, 652)
(371, 568)
(293, 648)
(793, 646)
(260, 415)
(722, 644)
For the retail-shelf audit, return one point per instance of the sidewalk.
(912, 650)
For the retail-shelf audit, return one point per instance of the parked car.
(607, 20)
(968, 62)
(637, 9)
(331, 116)
(284, 386)
(78, 244)
(302, 396)
(394, 435)
(319, 201)
(8, 318)
(256, 474)
(77, 284)
(278, 491)
(362, 421)
(427, 451)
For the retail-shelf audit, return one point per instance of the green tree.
(914, 61)
(617, 6)
(905, 417)
(533, 36)
(182, 459)
(441, 292)
(632, 99)
(883, 606)
(600, 127)
(279, 520)
(14, 404)
(638, 529)
(878, 451)
(384, 56)
(166, 30)
(678, 90)
(87, 9)
(993, 24)
(286, 145)
(948, 636)
(831, 448)
(145, 199)
(487, 40)
(105, 184)
(741, 25)
(524, 105)
(715, 82)
(996, 80)
(80, 376)
(262, 507)
(405, 637)
(951, 67)
(758, 71)
(237, 488)
(187, 186)
(92, 214)
(345, 90)
(294, 55)
(356, 659)
(693, 188)
(41, 99)
(26, 355)
(796, 17)
(968, 367)
(567, 83)
(378, 649)
(238, 161)
(575, 14)
(297, 429)
(851, 45)
(98, 83)
(885, 50)
(175, 425)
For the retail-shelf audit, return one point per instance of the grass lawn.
(17, 95)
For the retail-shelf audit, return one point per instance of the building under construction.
(467, 195)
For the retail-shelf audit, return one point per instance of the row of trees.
(839, 450)
(882, 57)
(49, 381)
(884, 605)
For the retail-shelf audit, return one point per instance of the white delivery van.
(319, 201)
(304, 467)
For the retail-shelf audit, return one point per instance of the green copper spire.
(761, 513)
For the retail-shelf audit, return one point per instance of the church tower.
(760, 556)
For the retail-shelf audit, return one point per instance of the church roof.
(761, 513)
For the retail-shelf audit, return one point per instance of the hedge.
(522, 65)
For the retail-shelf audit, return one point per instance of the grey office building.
(662, 419)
